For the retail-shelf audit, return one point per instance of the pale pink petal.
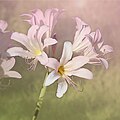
(106, 49)
(85, 31)
(43, 29)
(49, 17)
(35, 18)
(76, 63)
(53, 63)
(90, 37)
(76, 35)
(52, 77)
(26, 15)
(32, 32)
(56, 16)
(82, 72)
(80, 37)
(18, 51)
(100, 44)
(33, 40)
(82, 46)
(8, 64)
(38, 17)
(3, 25)
(67, 53)
(49, 41)
(32, 20)
(95, 38)
(82, 34)
(29, 19)
(13, 74)
(62, 88)
(104, 62)
(43, 58)
(79, 23)
(21, 38)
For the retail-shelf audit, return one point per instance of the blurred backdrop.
(100, 98)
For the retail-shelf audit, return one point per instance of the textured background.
(101, 97)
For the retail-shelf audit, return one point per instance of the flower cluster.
(87, 48)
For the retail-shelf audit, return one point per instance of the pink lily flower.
(50, 18)
(90, 44)
(5, 69)
(33, 44)
(65, 68)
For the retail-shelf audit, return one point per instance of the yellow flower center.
(38, 52)
(61, 70)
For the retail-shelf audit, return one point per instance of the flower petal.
(8, 64)
(38, 16)
(79, 23)
(33, 40)
(97, 36)
(43, 58)
(35, 18)
(21, 38)
(76, 63)
(104, 62)
(3, 25)
(52, 77)
(62, 88)
(83, 73)
(49, 41)
(32, 32)
(49, 18)
(53, 63)
(80, 35)
(106, 49)
(13, 74)
(67, 53)
(43, 29)
(18, 51)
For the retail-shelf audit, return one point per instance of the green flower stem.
(40, 100)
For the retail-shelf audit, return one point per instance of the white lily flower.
(33, 43)
(65, 68)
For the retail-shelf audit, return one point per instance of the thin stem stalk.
(40, 100)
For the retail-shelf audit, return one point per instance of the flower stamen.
(61, 70)
(38, 52)
(32, 64)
